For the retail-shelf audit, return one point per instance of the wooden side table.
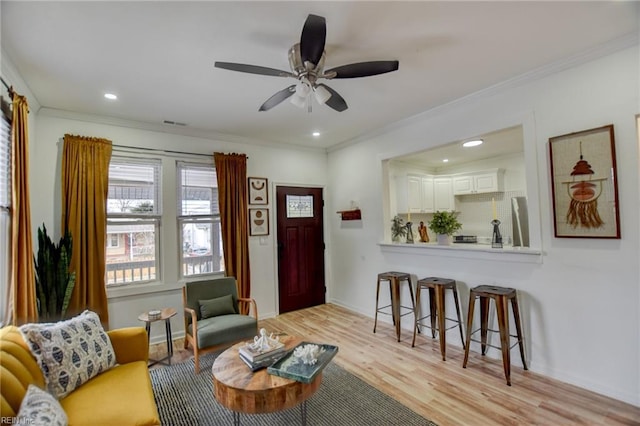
(165, 315)
(241, 391)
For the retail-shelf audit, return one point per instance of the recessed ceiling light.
(446, 160)
(110, 96)
(472, 143)
(316, 134)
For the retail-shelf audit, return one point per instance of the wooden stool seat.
(501, 296)
(394, 278)
(437, 310)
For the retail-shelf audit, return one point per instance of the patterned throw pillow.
(40, 408)
(70, 352)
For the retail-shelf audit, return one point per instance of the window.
(133, 221)
(299, 206)
(113, 241)
(198, 220)
(5, 205)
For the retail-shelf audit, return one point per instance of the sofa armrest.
(130, 344)
(252, 306)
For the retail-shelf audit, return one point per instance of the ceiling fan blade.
(278, 97)
(313, 38)
(253, 69)
(336, 101)
(364, 69)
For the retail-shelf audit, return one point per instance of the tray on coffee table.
(293, 368)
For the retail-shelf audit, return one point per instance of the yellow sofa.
(120, 396)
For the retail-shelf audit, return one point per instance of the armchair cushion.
(216, 306)
(70, 352)
(224, 328)
(41, 408)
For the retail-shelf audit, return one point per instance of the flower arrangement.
(398, 228)
(445, 223)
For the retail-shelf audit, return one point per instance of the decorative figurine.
(422, 230)
(496, 241)
(264, 342)
(409, 233)
(308, 354)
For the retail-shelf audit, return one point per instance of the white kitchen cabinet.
(443, 194)
(478, 182)
(428, 198)
(415, 194)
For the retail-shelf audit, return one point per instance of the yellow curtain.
(85, 183)
(22, 283)
(231, 170)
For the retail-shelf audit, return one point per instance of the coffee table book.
(293, 368)
(253, 355)
(264, 363)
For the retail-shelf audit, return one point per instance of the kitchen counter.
(469, 251)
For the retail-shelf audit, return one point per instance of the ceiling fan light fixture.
(303, 88)
(299, 101)
(322, 95)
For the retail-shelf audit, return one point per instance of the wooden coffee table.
(241, 391)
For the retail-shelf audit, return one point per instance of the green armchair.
(212, 318)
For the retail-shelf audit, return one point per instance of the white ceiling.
(158, 58)
(503, 142)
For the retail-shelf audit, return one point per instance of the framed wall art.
(584, 184)
(258, 191)
(258, 222)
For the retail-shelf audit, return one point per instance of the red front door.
(300, 247)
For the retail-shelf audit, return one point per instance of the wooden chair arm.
(194, 321)
(252, 305)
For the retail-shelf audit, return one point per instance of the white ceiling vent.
(174, 123)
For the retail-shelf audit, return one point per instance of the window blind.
(5, 163)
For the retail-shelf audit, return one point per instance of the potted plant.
(398, 229)
(54, 282)
(445, 224)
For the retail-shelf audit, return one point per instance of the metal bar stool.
(437, 309)
(501, 296)
(394, 278)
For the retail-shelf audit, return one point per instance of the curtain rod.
(161, 150)
(164, 150)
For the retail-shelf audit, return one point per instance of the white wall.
(580, 303)
(279, 165)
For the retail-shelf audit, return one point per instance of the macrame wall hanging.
(584, 192)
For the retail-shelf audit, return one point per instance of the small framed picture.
(258, 222)
(258, 191)
(584, 184)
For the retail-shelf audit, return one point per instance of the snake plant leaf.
(54, 281)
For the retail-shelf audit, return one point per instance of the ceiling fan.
(306, 60)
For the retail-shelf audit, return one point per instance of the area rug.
(184, 398)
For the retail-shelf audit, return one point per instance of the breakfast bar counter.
(468, 251)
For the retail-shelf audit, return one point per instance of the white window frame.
(210, 219)
(136, 219)
(110, 241)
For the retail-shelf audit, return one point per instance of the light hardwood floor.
(443, 391)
